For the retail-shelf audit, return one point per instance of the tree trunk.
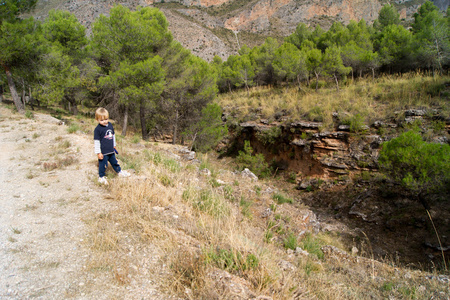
(12, 88)
(317, 81)
(72, 104)
(337, 82)
(125, 121)
(32, 100)
(439, 56)
(175, 127)
(23, 93)
(1, 93)
(143, 122)
(299, 83)
(193, 141)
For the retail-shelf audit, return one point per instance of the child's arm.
(97, 145)
(114, 139)
(97, 149)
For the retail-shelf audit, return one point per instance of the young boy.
(105, 145)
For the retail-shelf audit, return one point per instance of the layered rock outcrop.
(318, 157)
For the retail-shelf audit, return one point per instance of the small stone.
(300, 251)
(247, 173)
(158, 208)
(285, 265)
(205, 172)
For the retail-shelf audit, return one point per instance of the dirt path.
(43, 212)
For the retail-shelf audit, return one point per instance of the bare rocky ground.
(48, 194)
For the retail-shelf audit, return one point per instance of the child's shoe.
(102, 180)
(124, 173)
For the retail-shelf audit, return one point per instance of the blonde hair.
(101, 114)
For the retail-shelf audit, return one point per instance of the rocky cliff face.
(284, 15)
(220, 27)
(316, 158)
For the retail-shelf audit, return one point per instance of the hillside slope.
(178, 228)
(211, 28)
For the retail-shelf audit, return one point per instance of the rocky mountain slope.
(220, 27)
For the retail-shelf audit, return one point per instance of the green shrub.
(418, 166)
(208, 202)
(245, 207)
(438, 126)
(388, 286)
(228, 193)
(356, 123)
(434, 88)
(310, 267)
(136, 139)
(313, 245)
(73, 128)
(171, 164)
(290, 242)
(282, 199)
(166, 180)
(131, 161)
(64, 145)
(292, 177)
(256, 163)
(29, 115)
(268, 235)
(209, 130)
(270, 136)
(157, 158)
(258, 190)
(232, 260)
(316, 114)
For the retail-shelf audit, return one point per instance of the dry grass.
(198, 230)
(198, 236)
(372, 99)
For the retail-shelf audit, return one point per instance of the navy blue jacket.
(105, 134)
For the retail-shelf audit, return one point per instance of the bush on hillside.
(209, 130)
(256, 163)
(418, 166)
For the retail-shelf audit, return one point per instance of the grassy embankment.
(220, 223)
(381, 99)
(204, 223)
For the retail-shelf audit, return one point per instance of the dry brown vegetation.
(213, 241)
(373, 99)
(206, 236)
